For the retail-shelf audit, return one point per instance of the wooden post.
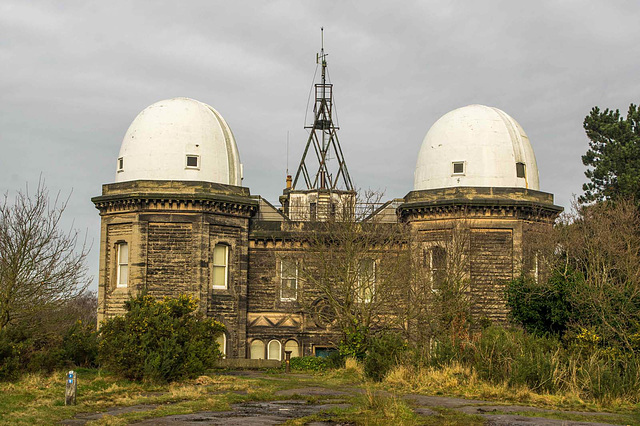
(287, 361)
(71, 389)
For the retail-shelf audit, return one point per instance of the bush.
(80, 345)
(159, 341)
(9, 358)
(544, 364)
(309, 363)
(543, 307)
(385, 352)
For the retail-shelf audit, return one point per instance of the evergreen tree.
(613, 158)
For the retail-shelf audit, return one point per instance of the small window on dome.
(520, 170)
(193, 162)
(458, 167)
(120, 164)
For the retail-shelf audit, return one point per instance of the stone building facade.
(177, 220)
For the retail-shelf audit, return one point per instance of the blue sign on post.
(71, 389)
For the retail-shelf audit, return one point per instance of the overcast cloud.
(73, 75)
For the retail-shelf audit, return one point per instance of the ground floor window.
(292, 346)
(257, 349)
(221, 340)
(275, 350)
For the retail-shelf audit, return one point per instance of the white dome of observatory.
(476, 145)
(179, 139)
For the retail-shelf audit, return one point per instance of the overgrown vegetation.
(160, 341)
(63, 338)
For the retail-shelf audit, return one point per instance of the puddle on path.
(248, 413)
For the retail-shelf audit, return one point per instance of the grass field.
(38, 399)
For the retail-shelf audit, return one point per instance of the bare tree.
(354, 270)
(599, 250)
(41, 267)
(439, 290)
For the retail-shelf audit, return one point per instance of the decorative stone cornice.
(469, 202)
(175, 196)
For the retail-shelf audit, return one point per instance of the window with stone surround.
(366, 280)
(293, 347)
(288, 279)
(122, 267)
(257, 349)
(436, 262)
(221, 340)
(220, 269)
(274, 350)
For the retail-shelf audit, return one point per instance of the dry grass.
(461, 381)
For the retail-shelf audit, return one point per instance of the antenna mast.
(323, 137)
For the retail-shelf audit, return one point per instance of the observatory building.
(177, 219)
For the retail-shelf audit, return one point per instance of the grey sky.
(73, 75)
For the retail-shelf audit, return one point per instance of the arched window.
(275, 350)
(220, 266)
(122, 268)
(292, 346)
(221, 340)
(257, 349)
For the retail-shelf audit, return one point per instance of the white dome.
(476, 145)
(179, 139)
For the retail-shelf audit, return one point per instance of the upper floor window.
(457, 167)
(120, 164)
(366, 280)
(313, 211)
(437, 264)
(288, 279)
(193, 161)
(220, 266)
(122, 268)
(520, 170)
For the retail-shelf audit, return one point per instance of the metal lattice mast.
(323, 138)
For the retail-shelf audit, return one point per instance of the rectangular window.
(458, 167)
(288, 279)
(437, 266)
(193, 161)
(120, 164)
(520, 170)
(122, 270)
(313, 211)
(220, 266)
(366, 280)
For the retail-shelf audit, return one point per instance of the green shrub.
(159, 340)
(541, 307)
(310, 363)
(80, 344)
(9, 357)
(385, 352)
(354, 342)
(545, 363)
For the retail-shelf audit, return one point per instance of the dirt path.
(309, 400)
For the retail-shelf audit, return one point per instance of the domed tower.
(176, 219)
(476, 205)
